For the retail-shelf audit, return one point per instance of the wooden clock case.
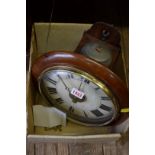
(102, 33)
(102, 73)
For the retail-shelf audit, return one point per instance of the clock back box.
(66, 36)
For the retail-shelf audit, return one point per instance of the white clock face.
(84, 100)
(98, 51)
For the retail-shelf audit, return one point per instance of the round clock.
(88, 92)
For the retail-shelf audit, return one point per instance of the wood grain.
(30, 149)
(85, 149)
(77, 149)
(62, 149)
(50, 149)
(39, 149)
(102, 138)
(110, 149)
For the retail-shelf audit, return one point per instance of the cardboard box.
(65, 36)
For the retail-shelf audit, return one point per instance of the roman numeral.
(105, 98)
(104, 107)
(52, 90)
(97, 113)
(81, 78)
(70, 76)
(59, 100)
(50, 80)
(86, 81)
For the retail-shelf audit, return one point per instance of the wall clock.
(101, 42)
(88, 92)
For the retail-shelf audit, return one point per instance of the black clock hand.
(74, 99)
(63, 83)
(71, 96)
(80, 85)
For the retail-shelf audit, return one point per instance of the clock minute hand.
(66, 87)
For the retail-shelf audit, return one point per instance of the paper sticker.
(79, 94)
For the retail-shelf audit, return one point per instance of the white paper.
(79, 94)
(48, 116)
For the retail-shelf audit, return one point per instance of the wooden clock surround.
(102, 73)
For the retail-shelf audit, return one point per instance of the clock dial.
(98, 51)
(81, 96)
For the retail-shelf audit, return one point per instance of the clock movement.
(87, 91)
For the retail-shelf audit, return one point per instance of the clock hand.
(72, 84)
(74, 98)
(80, 85)
(71, 96)
(66, 87)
